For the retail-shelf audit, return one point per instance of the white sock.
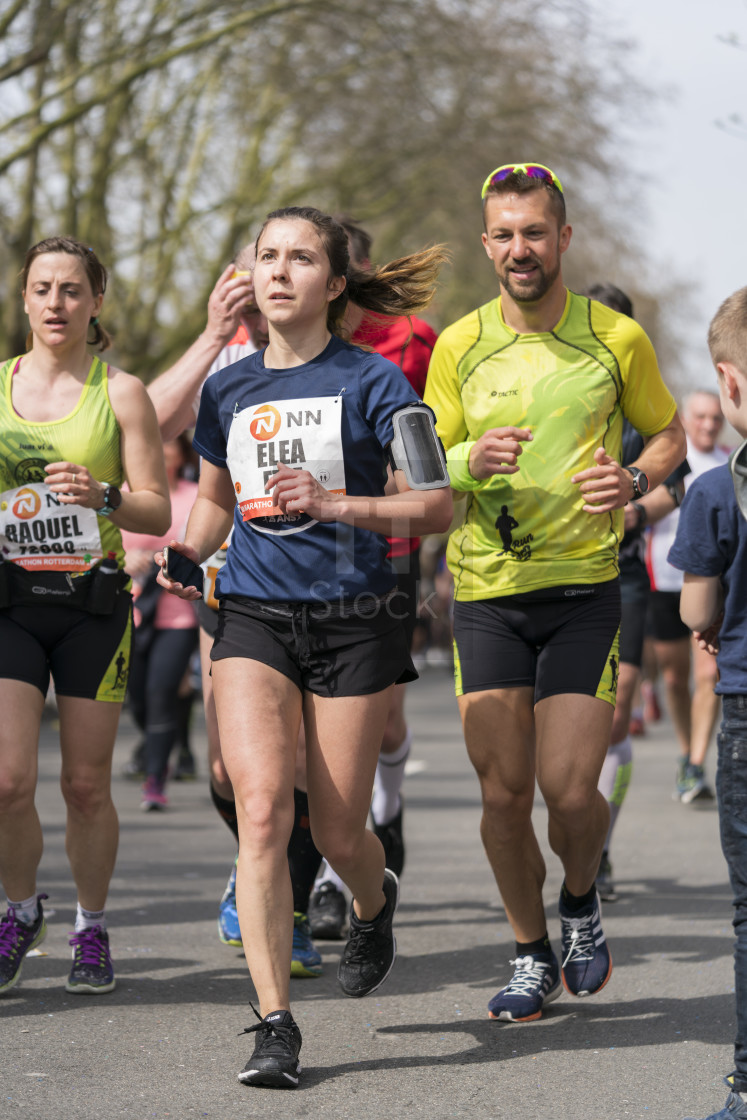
(615, 779)
(390, 774)
(87, 919)
(327, 875)
(26, 911)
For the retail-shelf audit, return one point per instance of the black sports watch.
(640, 482)
(112, 501)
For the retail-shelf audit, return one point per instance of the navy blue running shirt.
(330, 416)
(712, 541)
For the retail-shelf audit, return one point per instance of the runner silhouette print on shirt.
(505, 524)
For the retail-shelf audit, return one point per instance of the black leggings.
(155, 675)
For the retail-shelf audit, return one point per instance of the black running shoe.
(276, 1048)
(328, 912)
(368, 957)
(393, 842)
(92, 972)
(16, 940)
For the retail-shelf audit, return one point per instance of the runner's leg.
(259, 712)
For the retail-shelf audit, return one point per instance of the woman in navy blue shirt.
(294, 441)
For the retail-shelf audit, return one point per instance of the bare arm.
(208, 526)
(146, 507)
(609, 486)
(701, 601)
(174, 392)
(407, 513)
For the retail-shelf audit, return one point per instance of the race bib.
(304, 434)
(38, 531)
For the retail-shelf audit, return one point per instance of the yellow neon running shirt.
(45, 534)
(571, 387)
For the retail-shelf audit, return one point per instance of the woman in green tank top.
(72, 429)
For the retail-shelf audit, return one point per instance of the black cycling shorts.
(633, 630)
(663, 622)
(353, 649)
(557, 640)
(87, 655)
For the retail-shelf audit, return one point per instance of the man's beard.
(533, 290)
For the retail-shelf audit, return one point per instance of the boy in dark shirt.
(711, 549)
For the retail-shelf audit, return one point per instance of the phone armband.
(417, 450)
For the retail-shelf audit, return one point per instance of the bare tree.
(162, 131)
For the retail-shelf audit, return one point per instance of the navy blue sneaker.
(535, 982)
(735, 1107)
(229, 930)
(587, 964)
(305, 957)
(16, 940)
(92, 971)
(276, 1049)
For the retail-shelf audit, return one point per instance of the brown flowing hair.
(402, 287)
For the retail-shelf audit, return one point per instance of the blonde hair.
(727, 334)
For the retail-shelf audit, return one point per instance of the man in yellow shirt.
(529, 393)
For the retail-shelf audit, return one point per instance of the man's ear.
(564, 240)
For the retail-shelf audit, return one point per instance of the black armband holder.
(416, 449)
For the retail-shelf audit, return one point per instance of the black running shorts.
(87, 655)
(407, 571)
(557, 640)
(663, 622)
(351, 649)
(207, 618)
(633, 630)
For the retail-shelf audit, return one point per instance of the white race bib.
(304, 434)
(37, 530)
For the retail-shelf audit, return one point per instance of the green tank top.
(36, 529)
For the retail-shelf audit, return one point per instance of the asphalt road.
(655, 1043)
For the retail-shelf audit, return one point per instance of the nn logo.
(27, 503)
(265, 422)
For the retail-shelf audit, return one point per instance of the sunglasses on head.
(531, 170)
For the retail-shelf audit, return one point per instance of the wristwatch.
(640, 482)
(112, 501)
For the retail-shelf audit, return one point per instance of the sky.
(695, 172)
